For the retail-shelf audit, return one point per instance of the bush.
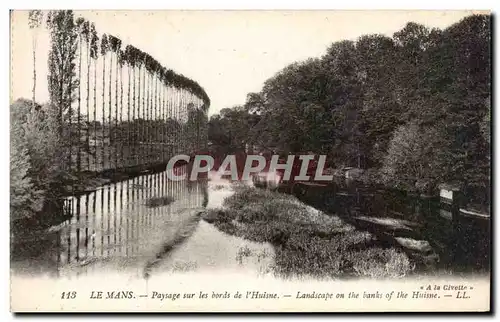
(414, 160)
(35, 158)
(381, 263)
(25, 199)
(307, 241)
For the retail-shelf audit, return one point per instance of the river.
(138, 227)
(149, 225)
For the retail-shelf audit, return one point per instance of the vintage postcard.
(250, 161)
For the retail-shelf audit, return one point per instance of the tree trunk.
(144, 130)
(150, 117)
(95, 114)
(128, 117)
(155, 118)
(162, 127)
(103, 151)
(88, 106)
(111, 144)
(121, 111)
(147, 88)
(139, 130)
(34, 69)
(78, 157)
(116, 111)
(134, 129)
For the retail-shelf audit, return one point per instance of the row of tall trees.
(111, 106)
(413, 107)
(132, 86)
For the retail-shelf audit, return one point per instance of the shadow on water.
(119, 226)
(419, 225)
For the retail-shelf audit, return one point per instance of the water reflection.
(421, 225)
(116, 226)
(128, 226)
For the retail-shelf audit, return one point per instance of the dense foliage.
(147, 111)
(415, 106)
(36, 163)
(306, 241)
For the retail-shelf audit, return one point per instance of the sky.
(229, 53)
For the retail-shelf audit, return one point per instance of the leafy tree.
(62, 55)
(94, 55)
(115, 46)
(414, 107)
(87, 38)
(104, 51)
(62, 79)
(37, 173)
(415, 160)
(80, 26)
(34, 20)
(25, 199)
(381, 109)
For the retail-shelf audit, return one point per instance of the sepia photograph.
(250, 160)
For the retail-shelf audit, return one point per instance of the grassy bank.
(306, 241)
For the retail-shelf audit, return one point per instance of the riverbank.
(210, 250)
(306, 241)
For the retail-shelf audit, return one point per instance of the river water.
(141, 226)
(422, 226)
(150, 225)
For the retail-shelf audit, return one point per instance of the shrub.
(36, 157)
(381, 263)
(414, 160)
(306, 240)
(25, 199)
